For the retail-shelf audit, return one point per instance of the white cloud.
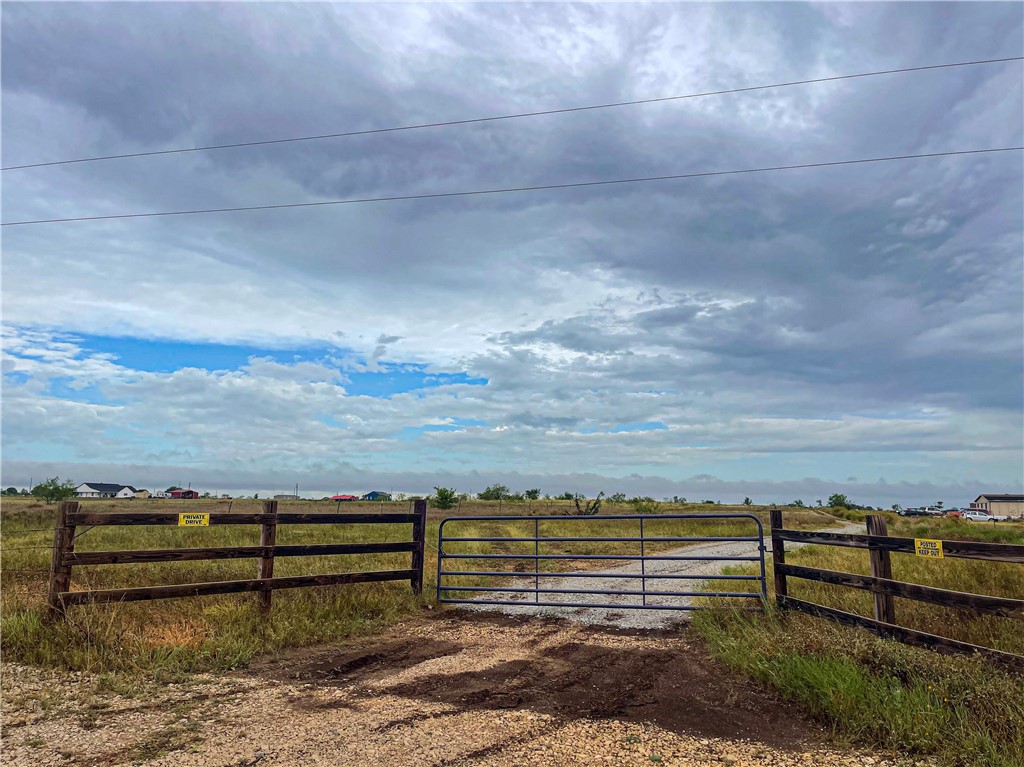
(821, 322)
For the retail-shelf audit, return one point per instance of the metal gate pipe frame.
(643, 576)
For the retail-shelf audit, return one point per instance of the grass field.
(962, 710)
(170, 637)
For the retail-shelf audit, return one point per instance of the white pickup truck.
(976, 515)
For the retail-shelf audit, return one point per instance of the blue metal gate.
(514, 587)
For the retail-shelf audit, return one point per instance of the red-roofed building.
(344, 498)
(185, 494)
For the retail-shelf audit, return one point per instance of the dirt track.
(452, 689)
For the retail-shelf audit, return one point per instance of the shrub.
(585, 508)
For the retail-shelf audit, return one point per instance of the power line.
(508, 190)
(470, 121)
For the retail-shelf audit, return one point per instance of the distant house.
(377, 495)
(286, 497)
(185, 495)
(344, 498)
(99, 490)
(142, 493)
(1000, 504)
(126, 492)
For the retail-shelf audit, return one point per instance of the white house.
(101, 490)
(126, 492)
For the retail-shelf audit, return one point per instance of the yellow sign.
(927, 547)
(193, 519)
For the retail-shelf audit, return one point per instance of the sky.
(782, 335)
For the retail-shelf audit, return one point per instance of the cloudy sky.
(776, 335)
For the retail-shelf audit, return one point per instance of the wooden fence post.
(268, 537)
(881, 567)
(419, 536)
(60, 571)
(778, 553)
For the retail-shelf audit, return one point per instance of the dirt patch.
(579, 672)
(362, 661)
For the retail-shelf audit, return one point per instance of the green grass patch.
(962, 710)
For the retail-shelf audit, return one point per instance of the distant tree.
(444, 498)
(897, 507)
(516, 497)
(493, 493)
(254, 495)
(678, 499)
(798, 503)
(566, 496)
(747, 502)
(938, 504)
(172, 488)
(54, 490)
(585, 508)
(819, 502)
(839, 501)
(617, 498)
(205, 495)
(532, 494)
(11, 491)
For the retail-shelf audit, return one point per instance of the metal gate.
(514, 587)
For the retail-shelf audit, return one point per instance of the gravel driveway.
(630, 617)
(442, 690)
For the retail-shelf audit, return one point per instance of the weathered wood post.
(419, 536)
(268, 537)
(881, 567)
(778, 553)
(60, 570)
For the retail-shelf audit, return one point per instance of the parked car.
(977, 515)
(956, 513)
(912, 513)
(933, 511)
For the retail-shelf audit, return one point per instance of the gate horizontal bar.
(674, 576)
(589, 606)
(502, 589)
(599, 539)
(598, 518)
(631, 557)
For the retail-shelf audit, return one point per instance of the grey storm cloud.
(873, 292)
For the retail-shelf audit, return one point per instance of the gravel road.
(442, 690)
(629, 617)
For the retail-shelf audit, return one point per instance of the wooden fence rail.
(64, 556)
(884, 588)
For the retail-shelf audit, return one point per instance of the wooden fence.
(64, 556)
(880, 545)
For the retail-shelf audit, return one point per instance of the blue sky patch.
(164, 356)
(404, 378)
(167, 356)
